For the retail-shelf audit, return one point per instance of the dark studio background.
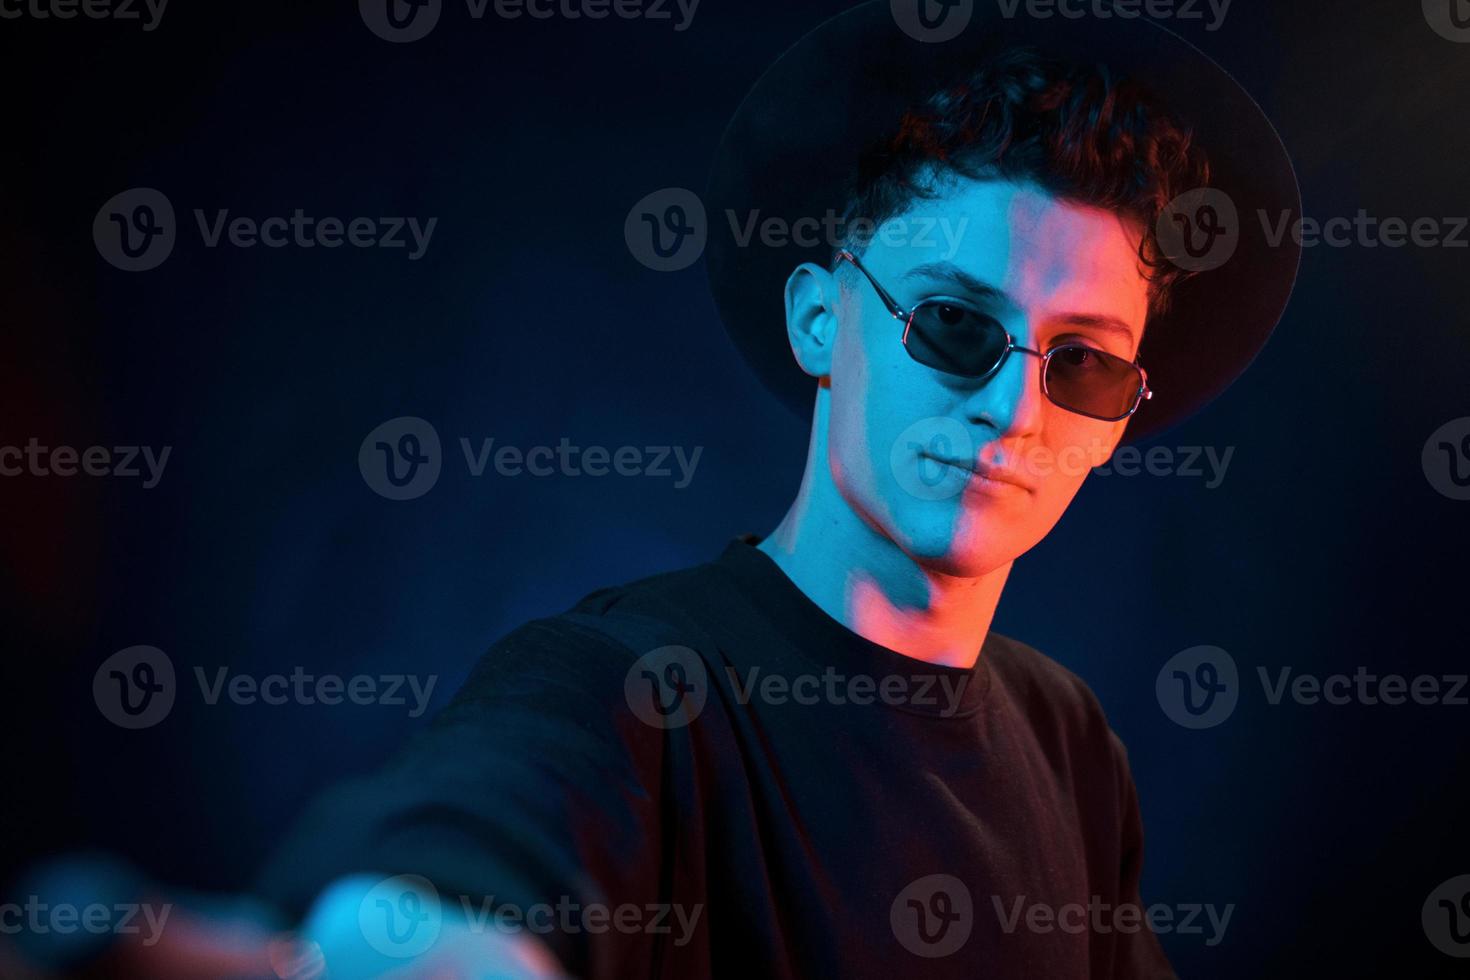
(528, 320)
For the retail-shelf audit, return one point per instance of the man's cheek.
(1102, 441)
(1075, 461)
(1050, 503)
(853, 473)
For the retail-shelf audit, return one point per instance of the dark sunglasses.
(951, 338)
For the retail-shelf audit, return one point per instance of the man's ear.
(811, 317)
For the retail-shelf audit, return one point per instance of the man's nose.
(1010, 401)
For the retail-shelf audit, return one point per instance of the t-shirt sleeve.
(536, 785)
(1139, 955)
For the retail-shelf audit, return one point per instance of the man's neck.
(865, 581)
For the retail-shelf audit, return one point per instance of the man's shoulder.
(1055, 700)
(1029, 671)
(598, 638)
(666, 595)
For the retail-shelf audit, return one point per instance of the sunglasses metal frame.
(907, 316)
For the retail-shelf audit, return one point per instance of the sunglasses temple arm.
(898, 311)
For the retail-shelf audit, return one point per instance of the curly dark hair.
(1075, 130)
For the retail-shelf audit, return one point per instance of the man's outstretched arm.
(483, 842)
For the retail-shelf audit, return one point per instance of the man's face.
(1049, 272)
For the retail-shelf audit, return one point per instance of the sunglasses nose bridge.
(1009, 398)
(1011, 347)
(1041, 361)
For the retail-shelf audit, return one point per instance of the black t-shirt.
(758, 791)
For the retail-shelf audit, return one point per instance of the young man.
(812, 756)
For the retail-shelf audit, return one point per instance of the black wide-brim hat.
(793, 144)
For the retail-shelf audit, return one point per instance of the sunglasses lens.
(955, 340)
(1092, 382)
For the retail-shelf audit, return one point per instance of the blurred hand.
(85, 918)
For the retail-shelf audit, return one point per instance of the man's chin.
(948, 551)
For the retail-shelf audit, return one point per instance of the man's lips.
(986, 472)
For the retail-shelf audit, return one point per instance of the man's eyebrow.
(953, 273)
(1109, 323)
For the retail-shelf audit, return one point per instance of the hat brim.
(789, 149)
